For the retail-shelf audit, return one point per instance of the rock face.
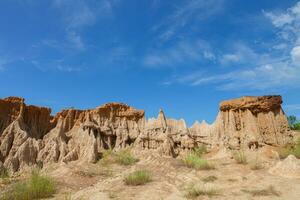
(252, 122)
(29, 135)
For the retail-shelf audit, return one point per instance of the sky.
(184, 56)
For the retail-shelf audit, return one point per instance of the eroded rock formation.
(29, 135)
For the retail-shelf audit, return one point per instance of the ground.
(170, 180)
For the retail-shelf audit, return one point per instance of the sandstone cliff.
(29, 135)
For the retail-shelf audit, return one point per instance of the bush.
(193, 192)
(194, 161)
(36, 187)
(139, 177)
(240, 157)
(124, 157)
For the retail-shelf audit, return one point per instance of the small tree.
(292, 120)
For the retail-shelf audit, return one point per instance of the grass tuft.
(139, 177)
(194, 192)
(194, 161)
(270, 191)
(36, 187)
(240, 157)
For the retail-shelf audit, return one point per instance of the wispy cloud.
(186, 13)
(55, 65)
(81, 13)
(181, 52)
(261, 71)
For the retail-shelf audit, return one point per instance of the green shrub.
(194, 161)
(139, 177)
(200, 150)
(193, 192)
(124, 157)
(240, 157)
(36, 187)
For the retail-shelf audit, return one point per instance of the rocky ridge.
(29, 135)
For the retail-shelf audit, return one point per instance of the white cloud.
(279, 20)
(295, 53)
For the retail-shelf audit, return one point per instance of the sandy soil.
(170, 180)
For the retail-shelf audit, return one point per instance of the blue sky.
(184, 56)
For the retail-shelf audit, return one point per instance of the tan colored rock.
(252, 122)
(29, 135)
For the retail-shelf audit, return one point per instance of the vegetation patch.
(292, 149)
(270, 191)
(209, 179)
(196, 191)
(36, 187)
(192, 160)
(139, 177)
(240, 157)
(122, 157)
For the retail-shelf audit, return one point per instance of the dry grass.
(270, 191)
(4, 174)
(209, 179)
(139, 177)
(240, 157)
(196, 191)
(36, 187)
(256, 164)
(232, 180)
(194, 161)
(200, 150)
